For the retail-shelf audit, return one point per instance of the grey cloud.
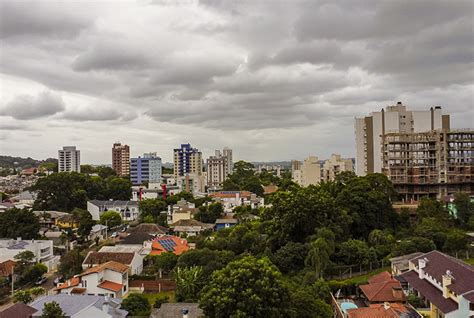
(30, 107)
(32, 18)
(97, 113)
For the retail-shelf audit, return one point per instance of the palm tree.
(318, 256)
(188, 282)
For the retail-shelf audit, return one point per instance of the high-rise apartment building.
(69, 159)
(219, 167)
(335, 165)
(121, 159)
(309, 172)
(187, 161)
(395, 119)
(146, 169)
(435, 164)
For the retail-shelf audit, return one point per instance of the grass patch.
(470, 261)
(361, 279)
(152, 297)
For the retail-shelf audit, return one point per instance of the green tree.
(84, 218)
(137, 305)
(412, 245)
(112, 218)
(36, 291)
(210, 213)
(354, 252)
(304, 304)
(152, 207)
(209, 260)
(456, 240)
(19, 223)
(433, 209)
(319, 256)
(23, 296)
(248, 287)
(71, 263)
(464, 207)
(118, 188)
(105, 172)
(33, 273)
(188, 283)
(52, 310)
(25, 258)
(290, 257)
(431, 228)
(164, 262)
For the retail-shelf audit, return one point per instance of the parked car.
(58, 280)
(41, 281)
(115, 234)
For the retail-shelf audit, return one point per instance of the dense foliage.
(137, 305)
(19, 223)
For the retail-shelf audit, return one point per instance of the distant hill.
(9, 162)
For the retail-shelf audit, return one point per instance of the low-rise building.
(128, 210)
(81, 306)
(385, 310)
(42, 249)
(190, 227)
(168, 243)
(182, 210)
(67, 221)
(232, 199)
(225, 223)
(335, 165)
(108, 279)
(383, 288)
(444, 283)
(178, 310)
(132, 259)
(399, 265)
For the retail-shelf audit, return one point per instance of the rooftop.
(103, 257)
(111, 265)
(174, 310)
(383, 287)
(18, 310)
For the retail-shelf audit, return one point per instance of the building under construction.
(434, 164)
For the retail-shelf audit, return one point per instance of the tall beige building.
(187, 161)
(121, 159)
(306, 173)
(394, 119)
(335, 165)
(219, 167)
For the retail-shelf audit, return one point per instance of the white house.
(128, 210)
(132, 259)
(42, 249)
(232, 199)
(182, 210)
(108, 279)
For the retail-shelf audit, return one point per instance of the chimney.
(447, 280)
(397, 292)
(421, 265)
(18, 238)
(386, 305)
(185, 313)
(105, 304)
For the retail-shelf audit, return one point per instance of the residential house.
(49, 218)
(182, 210)
(42, 249)
(385, 310)
(225, 223)
(399, 264)
(128, 210)
(27, 197)
(190, 227)
(67, 221)
(168, 243)
(99, 231)
(232, 199)
(383, 288)
(445, 283)
(178, 310)
(125, 249)
(141, 233)
(133, 260)
(6, 269)
(82, 306)
(107, 279)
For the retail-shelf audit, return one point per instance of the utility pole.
(13, 278)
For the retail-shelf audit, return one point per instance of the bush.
(136, 305)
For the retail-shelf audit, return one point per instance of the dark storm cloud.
(31, 107)
(235, 66)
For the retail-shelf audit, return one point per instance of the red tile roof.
(106, 284)
(378, 311)
(383, 287)
(69, 283)
(180, 247)
(114, 266)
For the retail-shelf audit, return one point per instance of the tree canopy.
(19, 223)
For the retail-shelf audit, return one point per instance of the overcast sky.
(274, 80)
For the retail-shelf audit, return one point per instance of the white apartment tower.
(394, 119)
(219, 167)
(69, 159)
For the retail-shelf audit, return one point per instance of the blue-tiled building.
(146, 169)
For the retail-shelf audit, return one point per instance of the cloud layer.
(287, 76)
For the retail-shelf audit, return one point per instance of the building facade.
(219, 167)
(434, 164)
(146, 169)
(369, 131)
(121, 159)
(309, 171)
(187, 160)
(335, 165)
(128, 210)
(69, 159)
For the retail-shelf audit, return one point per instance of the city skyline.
(274, 81)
